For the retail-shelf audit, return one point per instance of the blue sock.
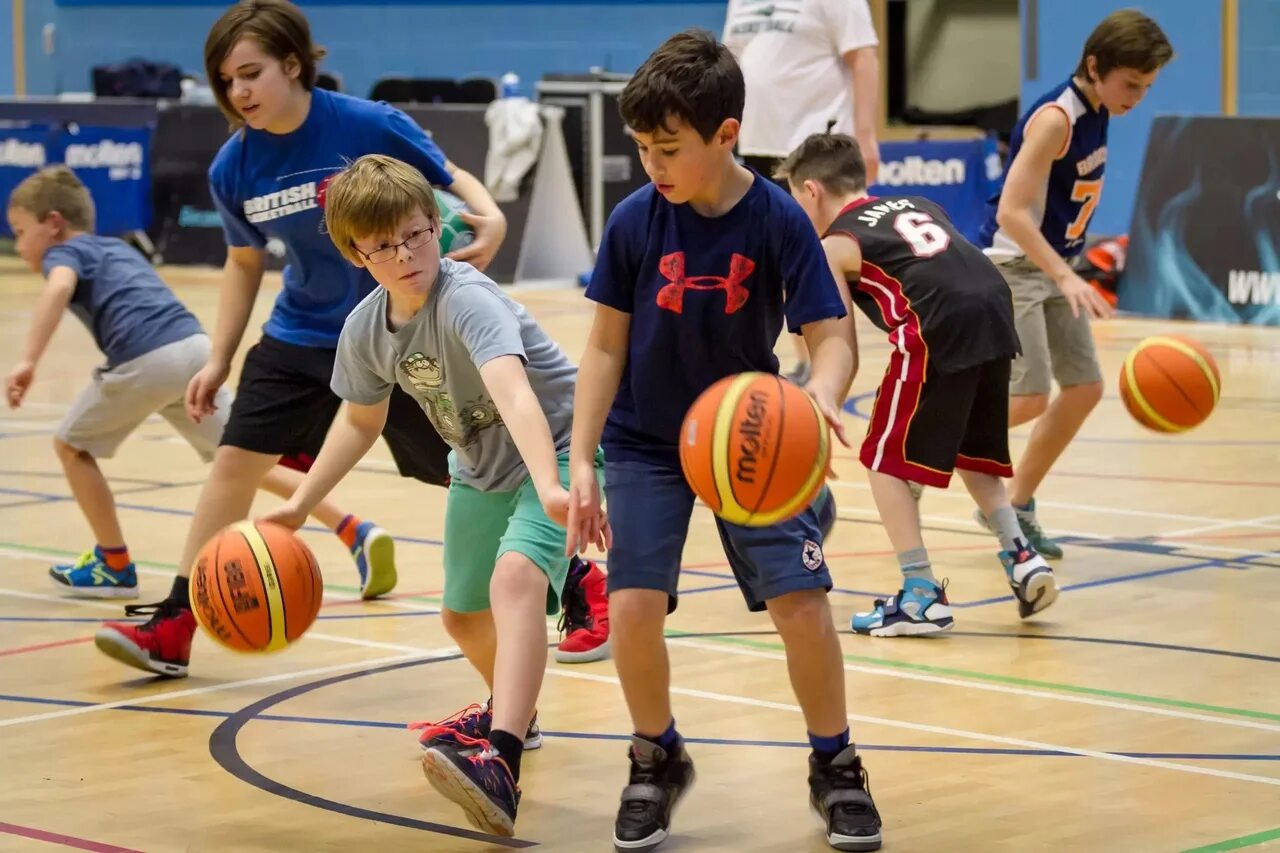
(667, 739)
(827, 748)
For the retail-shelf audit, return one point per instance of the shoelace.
(159, 612)
(431, 728)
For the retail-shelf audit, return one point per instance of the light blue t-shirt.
(119, 298)
(268, 186)
(436, 357)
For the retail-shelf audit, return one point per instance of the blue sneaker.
(1030, 578)
(89, 577)
(481, 784)
(375, 554)
(920, 607)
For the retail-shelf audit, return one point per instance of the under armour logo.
(671, 296)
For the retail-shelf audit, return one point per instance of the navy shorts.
(650, 505)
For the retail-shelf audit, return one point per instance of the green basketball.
(454, 232)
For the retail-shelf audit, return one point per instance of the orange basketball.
(755, 449)
(256, 587)
(1169, 383)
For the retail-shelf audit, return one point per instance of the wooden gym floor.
(1142, 713)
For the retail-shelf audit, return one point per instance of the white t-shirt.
(791, 52)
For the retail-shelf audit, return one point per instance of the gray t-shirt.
(436, 357)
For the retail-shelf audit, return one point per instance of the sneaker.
(463, 731)
(161, 644)
(799, 374)
(375, 554)
(90, 577)
(920, 607)
(1036, 537)
(840, 797)
(585, 620)
(481, 784)
(827, 512)
(658, 782)
(1030, 578)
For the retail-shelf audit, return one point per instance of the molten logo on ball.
(751, 432)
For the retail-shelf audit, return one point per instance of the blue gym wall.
(1258, 90)
(6, 48)
(367, 41)
(1191, 84)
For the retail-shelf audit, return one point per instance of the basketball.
(755, 449)
(1169, 383)
(454, 232)
(255, 587)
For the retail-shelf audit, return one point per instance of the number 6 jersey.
(944, 304)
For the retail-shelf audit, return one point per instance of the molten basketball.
(755, 449)
(1169, 383)
(255, 587)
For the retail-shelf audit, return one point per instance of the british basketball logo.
(671, 296)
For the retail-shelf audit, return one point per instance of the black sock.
(509, 747)
(181, 592)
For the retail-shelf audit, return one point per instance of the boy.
(500, 392)
(153, 346)
(1037, 223)
(696, 274)
(944, 400)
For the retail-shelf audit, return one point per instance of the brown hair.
(279, 28)
(55, 188)
(371, 197)
(834, 160)
(1125, 39)
(691, 77)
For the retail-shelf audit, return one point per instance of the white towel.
(515, 138)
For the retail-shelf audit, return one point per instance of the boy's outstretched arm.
(832, 343)
(598, 378)
(54, 299)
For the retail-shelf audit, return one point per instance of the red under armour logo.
(671, 296)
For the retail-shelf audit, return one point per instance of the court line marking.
(1191, 531)
(940, 730)
(1237, 843)
(887, 670)
(212, 688)
(57, 644)
(64, 840)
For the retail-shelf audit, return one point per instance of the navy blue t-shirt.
(707, 299)
(268, 185)
(119, 298)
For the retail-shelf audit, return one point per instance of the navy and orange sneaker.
(463, 730)
(481, 783)
(162, 644)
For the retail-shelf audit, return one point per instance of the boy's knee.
(517, 576)
(803, 608)
(456, 622)
(1023, 407)
(636, 609)
(65, 450)
(1088, 394)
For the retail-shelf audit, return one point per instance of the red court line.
(888, 552)
(64, 840)
(425, 594)
(25, 649)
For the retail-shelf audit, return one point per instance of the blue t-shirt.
(272, 186)
(707, 299)
(119, 298)
(1074, 184)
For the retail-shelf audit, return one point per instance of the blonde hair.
(55, 188)
(373, 196)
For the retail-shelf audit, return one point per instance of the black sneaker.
(839, 795)
(657, 783)
(481, 784)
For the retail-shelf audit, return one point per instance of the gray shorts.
(120, 398)
(1055, 345)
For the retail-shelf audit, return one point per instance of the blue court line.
(780, 744)
(1206, 564)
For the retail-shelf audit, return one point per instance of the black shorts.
(284, 407)
(923, 431)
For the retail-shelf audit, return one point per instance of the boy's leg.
(649, 509)
(782, 568)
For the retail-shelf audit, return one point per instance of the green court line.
(1013, 680)
(1237, 843)
(173, 567)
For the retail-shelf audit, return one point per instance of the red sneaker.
(162, 644)
(585, 620)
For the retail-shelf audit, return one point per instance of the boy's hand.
(1082, 296)
(490, 231)
(587, 523)
(555, 503)
(18, 381)
(202, 389)
(827, 405)
(286, 515)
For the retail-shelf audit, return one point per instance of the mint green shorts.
(479, 527)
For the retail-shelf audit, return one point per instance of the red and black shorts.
(923, 431)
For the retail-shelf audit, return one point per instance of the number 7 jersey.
(944, 304)
(1071, 193)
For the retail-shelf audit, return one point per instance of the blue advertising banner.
(960, 175)
(24, 148)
